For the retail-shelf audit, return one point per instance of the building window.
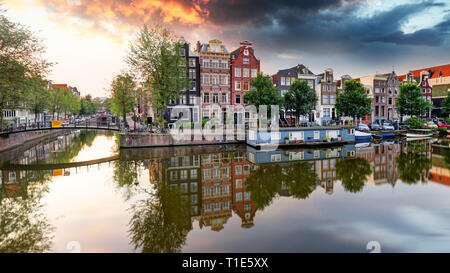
(237, 99)
(246, 169)
(224, 98)
(238, 169)
(316, 134)
(224, 64)
(206, 98)
(326, 113)
(239, 197)
(226, 205)
(246, 72)
(225, 172)
(225, 189)
(390, 101)
(282, 81)
(247, 207)
(206, 79)
(246, 196)
(215, 63)
(207, 207)
(254, 72)
(207, 191)
(245, 61)
(193, 174)
(246, 86)
(206, 63)
(182, 52)
(237, 85)
(275, 135)
(238, 183)
(215, 98)
(216, 189)
(332, 99)
(237, 71)
(325, 99)
(224, 79)
(192, 62)
(275, 158)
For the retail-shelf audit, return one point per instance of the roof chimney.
(197, 46)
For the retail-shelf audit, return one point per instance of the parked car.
(374, 126)
(387, 126)
(363, 127)
(441, 123)
(430, 125)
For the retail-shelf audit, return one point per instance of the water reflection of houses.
(242, 203)
(384, 168)
(13, 182)
(216, 185)
(180, 172)
(323, 162)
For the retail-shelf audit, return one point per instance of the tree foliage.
(20, 59)
(353, 173)
(123, 89)
(411, 101)
(446, 106)
(300, 98)
(353, 100)
(155, 56)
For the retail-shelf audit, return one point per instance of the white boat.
(362, 136)
(419, 133)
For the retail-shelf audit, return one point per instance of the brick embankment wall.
(15, 140)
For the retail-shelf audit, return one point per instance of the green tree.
(20, 59)
(56, 102)
(262, 93)
(300, 98)
(353, 100)
(411, 101)
(38, 96)
(155, 55)
(123, 88)
(353, 173)
(446, 106)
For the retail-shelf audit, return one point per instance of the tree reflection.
(24, 227)
(353, 173)
(160, 223)
(264, 184)
(125, 174)
(412, 164)
(300, 179)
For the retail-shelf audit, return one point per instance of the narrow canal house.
(244, 67)
(283, 79)
(326, 89)
(215, 90)
(191, 97)
(383, 90)
(217, 190)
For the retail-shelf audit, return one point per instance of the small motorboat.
(385, 135)
(362, 136)
(419, 133)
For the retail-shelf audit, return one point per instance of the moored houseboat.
(301, 136)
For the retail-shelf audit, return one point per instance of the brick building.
(244, 67)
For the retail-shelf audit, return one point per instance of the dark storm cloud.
(330, 27)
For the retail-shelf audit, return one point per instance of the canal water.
(389, 197)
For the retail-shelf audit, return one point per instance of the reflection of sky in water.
(90, 208)
(404, 219)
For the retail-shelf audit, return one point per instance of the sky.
(88, 39)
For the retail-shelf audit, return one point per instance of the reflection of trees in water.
(125, 175)
(299, 179)
(412, 164)
(353, 173)
(160, 220)
(263, 184)
(24, 227)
